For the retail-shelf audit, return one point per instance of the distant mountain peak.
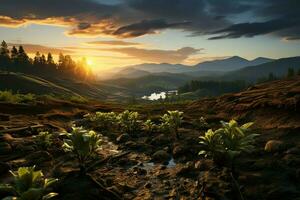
(236, 58)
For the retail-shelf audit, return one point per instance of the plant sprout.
(129, 122)
(172, 121)
(29, 184)
(83, 144)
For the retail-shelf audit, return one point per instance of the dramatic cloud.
(253, 29)
(134, 18)
(145, 27)
(157, 56)
(113, 43)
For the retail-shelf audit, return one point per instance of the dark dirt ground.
(158, 166)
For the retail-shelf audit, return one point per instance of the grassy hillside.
(26, 83)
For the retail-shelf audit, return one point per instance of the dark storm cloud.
(253, 29)
(274, 17)
(145, 27)
(133, 18)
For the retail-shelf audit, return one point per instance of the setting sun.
(89, 62)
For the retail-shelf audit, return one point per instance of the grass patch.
(9, 96)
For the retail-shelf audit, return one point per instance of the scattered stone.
(139, 171)
(123, 138)
(148, 185)
(178, 151)
(204, 165)
(160, 140)
(187, 170)
(5, 148)
(6, 137)
(38, 157)
(24, 148)
(160, 156)
(274, 146)
(294, 150)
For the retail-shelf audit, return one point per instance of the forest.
(17, 60)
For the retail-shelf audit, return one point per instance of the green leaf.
(49, 196)
(247, 125)
(33, 194)
(49, 182)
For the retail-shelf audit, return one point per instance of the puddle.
(150, 165)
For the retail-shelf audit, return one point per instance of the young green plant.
(29, 184)
(171, 122)
(83, 144)
(129, 122)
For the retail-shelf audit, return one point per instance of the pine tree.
(23, 58)
(43, 60)
(50, 60)
(37, 59)
(4, 56)
(14, 57)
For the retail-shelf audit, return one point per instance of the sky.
(116, 33)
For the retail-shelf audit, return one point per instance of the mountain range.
(202, 69)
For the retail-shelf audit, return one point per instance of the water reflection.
(162, 95)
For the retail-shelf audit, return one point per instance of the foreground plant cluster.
(222, 145)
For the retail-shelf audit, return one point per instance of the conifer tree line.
(17, 60)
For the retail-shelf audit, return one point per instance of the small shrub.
(201, 124)
(171, 122)
(129, 122)
(228, 141)
(29, 185)
(43, 140)
(8, 96)
(78, 99)
(102, 120)
(83, 144)
(149, 126)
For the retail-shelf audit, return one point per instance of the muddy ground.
(158, 166)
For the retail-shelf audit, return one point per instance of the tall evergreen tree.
(4, 56)
(43, 60)
(23, 58)
(14, 57)
(50, 60)
(37, 59)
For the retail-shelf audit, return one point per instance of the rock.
(148, 185)
(38, 157)
(24, 148)
(6, 137)
(160, 140)
(5, 148)
(4, 167)
(274, 146)
(187, 170)
(294, 150)
(204, 165)
(160, 156)
(123, 138)
(139, 171)
(178, 151)
(291, 160)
